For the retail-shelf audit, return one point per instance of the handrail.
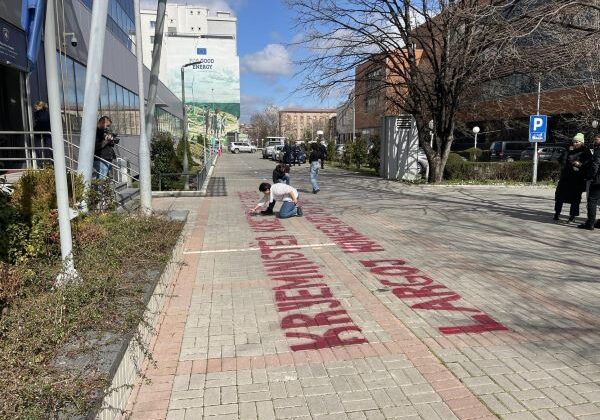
(49, 148)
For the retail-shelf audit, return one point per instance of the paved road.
(384, 301)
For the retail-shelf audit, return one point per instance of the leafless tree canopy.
(435, 53)
(264, 123)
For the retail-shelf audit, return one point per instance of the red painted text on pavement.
(432, 296)
(348, 239)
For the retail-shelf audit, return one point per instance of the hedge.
(520, 171)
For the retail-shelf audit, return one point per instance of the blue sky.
(265, 30)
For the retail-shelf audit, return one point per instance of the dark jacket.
(278, 174)
(573, 179)
(594, 167)
(41, 120)
(105, 146)
(287, 153)
(323, 151)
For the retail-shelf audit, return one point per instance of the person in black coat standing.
(593, 196)
(572, 182)
(43, 142)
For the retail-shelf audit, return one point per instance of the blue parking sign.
(538, 126)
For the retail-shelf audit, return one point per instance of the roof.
(310, 110)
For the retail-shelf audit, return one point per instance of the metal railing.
(121, 171)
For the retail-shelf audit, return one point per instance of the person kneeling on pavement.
(283, 192)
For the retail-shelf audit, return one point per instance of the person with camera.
(104, 152)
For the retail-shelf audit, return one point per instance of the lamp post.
(431, 133)
(476, 131)
(186, 165)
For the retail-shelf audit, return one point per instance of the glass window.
(70, 93)
(104, 97)
(112, 95)
(80, 85)
(121, 106)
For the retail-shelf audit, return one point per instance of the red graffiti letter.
(484, 324)
(330, 339)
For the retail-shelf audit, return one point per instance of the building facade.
(345, 120)
(195, 34)
(299, 124)
(21, 87)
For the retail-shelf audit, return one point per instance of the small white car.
(237, 147)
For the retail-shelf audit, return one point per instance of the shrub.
(519, 171)
(359, 156)
(374, 157)
(347, 156)
(164, 161)
(35, 231)
(331, 150)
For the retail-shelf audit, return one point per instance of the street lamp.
(186, 165)
(431, 133)
(476, 131)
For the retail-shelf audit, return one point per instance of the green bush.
(519, 171)
(165, 161)
(33, 232)
(359, 156)
(348, 156)
(331, 150)
(374, 158)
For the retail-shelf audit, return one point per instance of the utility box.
(399, 148)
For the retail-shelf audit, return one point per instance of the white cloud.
(273, 60)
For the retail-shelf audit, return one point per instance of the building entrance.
(11, 118)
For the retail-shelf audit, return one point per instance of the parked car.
(507, 150)
(555, 153)
(237, 147)
(270, 146)
(277, 151)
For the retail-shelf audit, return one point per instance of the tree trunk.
(436, 170)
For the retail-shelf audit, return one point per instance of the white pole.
(87, 142)
(535, 145)
(144, 150)
(58, 148)
(155, 69)
(186, 178)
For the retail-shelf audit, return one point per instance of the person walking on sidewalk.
(282, 192)
(593, 195)
(572, 182)
(313, 160)
(323, 152)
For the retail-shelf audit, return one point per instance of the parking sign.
(538, 125)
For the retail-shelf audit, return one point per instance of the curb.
(131, 357)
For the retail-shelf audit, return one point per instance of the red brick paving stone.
(229, 363)
(145, 402)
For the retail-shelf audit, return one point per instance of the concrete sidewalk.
(384, 301)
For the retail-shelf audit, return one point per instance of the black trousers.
(271, 206)
(573, 212)
(593, 198)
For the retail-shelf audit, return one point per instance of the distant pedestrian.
(296, 151)
(282, 192)
(287, 153)
(281, 174)
(313, 160)
(323, 152)
(593, 195)
(42, 142)
(572, 182)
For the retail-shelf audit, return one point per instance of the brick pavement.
(383, 325)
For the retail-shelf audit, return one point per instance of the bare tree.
(432, 53)
(264, 123)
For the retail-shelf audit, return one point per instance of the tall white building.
(212, 88)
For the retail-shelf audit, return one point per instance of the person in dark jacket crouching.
(593, 196)
(572, 182)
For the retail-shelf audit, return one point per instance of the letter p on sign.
(537, 128)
